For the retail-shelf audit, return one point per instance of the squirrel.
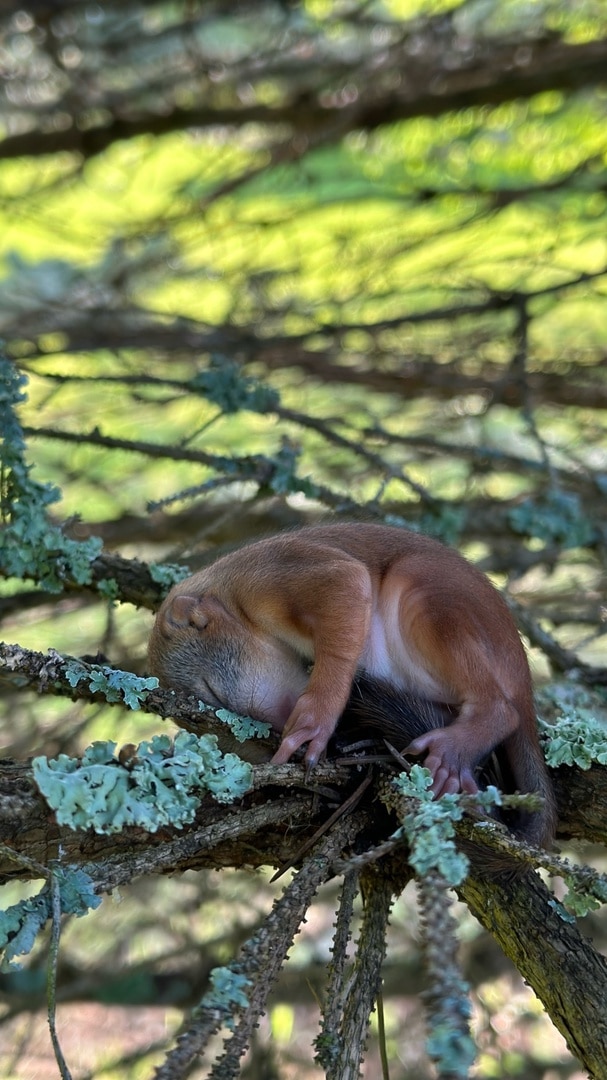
(281, 628)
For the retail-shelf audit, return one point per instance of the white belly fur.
(387, 656)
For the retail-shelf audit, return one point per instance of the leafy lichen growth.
(32, 547)
(225, 385)
(227, 994)
(557, 518)
(445, 522)
(242, 727)
(21, 923)
(114, 684)
(109, 588)
(579, 903)
(163, 784)
(577, 739)
(283, 478)
(452, 1049)
(428, 826)
(167, 574)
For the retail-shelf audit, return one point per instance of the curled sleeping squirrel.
(281, 628)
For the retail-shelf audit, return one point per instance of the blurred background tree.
(262, 263)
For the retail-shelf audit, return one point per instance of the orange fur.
(350, 598)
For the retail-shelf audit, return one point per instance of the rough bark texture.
(271, 825)
(565, 971)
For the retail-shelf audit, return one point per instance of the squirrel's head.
(199, 646)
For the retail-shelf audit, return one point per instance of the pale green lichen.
(225, 384)
(163, 784)
(114, 684)
(21, 923)
(579, 904)
(576, 739)
(167, 574)
(586, 891)
(32, 546)
(227, 994)
(242, 727)
(557, 518)
(109, 588)
(452, 1050)
(428, 826)
(282, 476)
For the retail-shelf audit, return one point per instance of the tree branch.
(557, 961)
(48, 673)
(444, 77)
(405, 376)
(261, 833)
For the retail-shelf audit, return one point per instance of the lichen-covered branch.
(260, 962)
(364, 987)
(328, 1041)
(559, 963)
(79, 680)
(450, 1045)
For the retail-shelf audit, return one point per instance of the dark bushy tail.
(377, 709)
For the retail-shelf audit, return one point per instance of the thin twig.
(345, 807)
(51, 977)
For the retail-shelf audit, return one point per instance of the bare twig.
(51, 981)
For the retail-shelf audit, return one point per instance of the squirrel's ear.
(182, 611)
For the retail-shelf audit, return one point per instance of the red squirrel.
(279, 629)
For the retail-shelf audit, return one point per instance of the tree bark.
(561, 966)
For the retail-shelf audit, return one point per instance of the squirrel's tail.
(378, 710)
